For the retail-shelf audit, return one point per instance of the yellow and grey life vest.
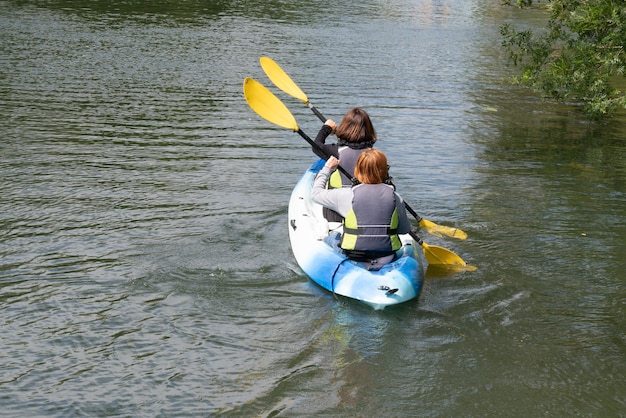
(348, 157)
(371, 225)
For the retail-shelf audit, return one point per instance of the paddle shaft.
(323, 151)
(317, 112)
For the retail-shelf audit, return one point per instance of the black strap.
(358, 255)
(359, 230)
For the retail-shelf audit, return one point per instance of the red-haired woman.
(374, 214)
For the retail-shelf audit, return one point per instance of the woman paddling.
(355, 134)
(374, 214)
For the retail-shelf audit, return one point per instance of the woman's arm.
(339, 200)
(320, 194)
(330, 149)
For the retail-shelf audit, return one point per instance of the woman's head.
(371, 167)
(356, 127)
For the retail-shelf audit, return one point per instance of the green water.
(145, 268)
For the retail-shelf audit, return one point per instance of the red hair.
(371, 167)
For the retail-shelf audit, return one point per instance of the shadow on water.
(139, 9)
(188, 12)
(547, 229)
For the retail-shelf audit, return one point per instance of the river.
(145, 264)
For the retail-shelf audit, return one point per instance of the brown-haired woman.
(374, 214)
(355, 134)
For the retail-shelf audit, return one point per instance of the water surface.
(145, 264)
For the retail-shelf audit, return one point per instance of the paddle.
(270, 108)
(280, 78)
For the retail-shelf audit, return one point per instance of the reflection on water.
(145, 263)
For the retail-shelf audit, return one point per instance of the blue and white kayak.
(314, 243)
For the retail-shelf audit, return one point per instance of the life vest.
(371, 225)
(348, 157)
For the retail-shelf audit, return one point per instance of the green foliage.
(580, 57)
(519, 3)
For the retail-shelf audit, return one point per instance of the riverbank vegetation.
(580, 56)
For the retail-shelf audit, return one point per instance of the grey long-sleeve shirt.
(340, 200)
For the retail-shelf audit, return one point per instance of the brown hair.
(371, 167)
(356, 126)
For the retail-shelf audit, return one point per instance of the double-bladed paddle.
(270, 108)
(281, 80)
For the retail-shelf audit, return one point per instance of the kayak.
(315, 246)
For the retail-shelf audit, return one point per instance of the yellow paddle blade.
(282, 80)
(439, 256)
(268, 106)
(441, 230)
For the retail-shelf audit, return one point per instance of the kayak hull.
(315, 248)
